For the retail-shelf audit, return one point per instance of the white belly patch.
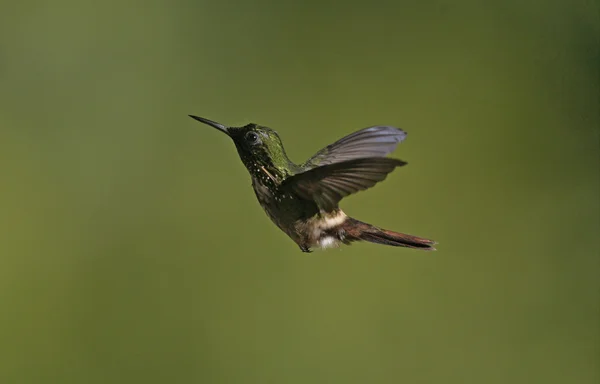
(320, 226)
(328, 242)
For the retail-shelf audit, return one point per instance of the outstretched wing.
(328, 184)
(375, 141)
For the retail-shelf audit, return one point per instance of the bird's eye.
(252, 138)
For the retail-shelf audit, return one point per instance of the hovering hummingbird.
(302, 200)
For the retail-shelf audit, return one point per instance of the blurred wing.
(369, 142)
(328, 184)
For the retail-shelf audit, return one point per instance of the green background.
(132, 248)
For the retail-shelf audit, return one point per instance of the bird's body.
(302, 200)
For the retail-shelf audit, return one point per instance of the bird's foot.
(305, 249)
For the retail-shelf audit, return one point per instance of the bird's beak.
(213, 124)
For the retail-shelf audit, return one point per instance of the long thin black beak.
(213, 124)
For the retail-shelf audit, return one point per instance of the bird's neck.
(271, 169)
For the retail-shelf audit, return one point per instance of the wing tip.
(393, 131)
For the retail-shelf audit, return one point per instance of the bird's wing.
(328, 184)
(375, 141)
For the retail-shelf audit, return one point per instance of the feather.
(375, 141)
(328, 184)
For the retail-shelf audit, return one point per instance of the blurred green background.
(132, 248)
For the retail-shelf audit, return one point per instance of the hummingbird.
(302, 199)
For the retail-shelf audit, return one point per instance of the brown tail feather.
(357, 230)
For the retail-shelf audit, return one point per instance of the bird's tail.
(357, 230)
